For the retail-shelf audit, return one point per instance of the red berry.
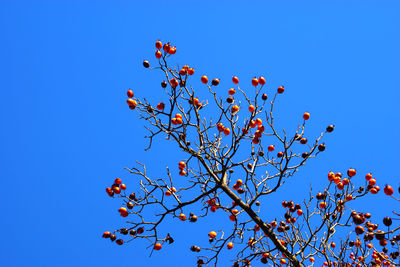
(388, 190)
(158, 45)
(129, 93)
(254, 82)
(235, 80)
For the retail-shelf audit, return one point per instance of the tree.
(249, 146)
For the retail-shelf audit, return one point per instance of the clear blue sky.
(67, 133)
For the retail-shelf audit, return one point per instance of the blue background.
(67, 133)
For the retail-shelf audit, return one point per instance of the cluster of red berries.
(237, 186)
(214, 82)
(182, 166)
(213, 205)
(260, 128)
(177, 120)
(186, 71)
(222, 128)
(116, 187)
(291, 207)
(260, 80)
(131, 102)
(192, 217)
(168, 49)
(124, 231)
(170, 191)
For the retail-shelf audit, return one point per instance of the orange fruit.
(306, 116)
(212, 234)
(235, 80)
(204, 79)
(157, 246)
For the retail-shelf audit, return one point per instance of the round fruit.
(182, 217)
(306, 116)
(388, 190)
(254, 81)
(157, 246)
(351, 172)
(140, 230)
(330, 128)
(168, 193)
(160, 106)
(117, 190)
(368, 176)
(117, 181)
(172, 50)
(129, 93)
(158, 54)
(251, 108)
(146, 64)
(122, 186)
(229, 245)
(322, 205)
(227, 131)
(258, 121)
(182, 173)
(193, 218)
(261, 80)
(321, 147)
(372, 182)
(281, 89)
(173, 82)
(106, 234)
(280, 154)
(158, 45)
(239, 182)
(212, 234)
(271, 148)
(387, 221)
(235, 109)
(204, 79)
(183, 72)
(182, 165)
(119, 241)
(264, 97)
(215, 82)
(131, 103)
(299, 212)
(235, 80)
(231, 91)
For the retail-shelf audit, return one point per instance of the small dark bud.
(264, 97)
(321, 147)
(146, 64)
(330, 128)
